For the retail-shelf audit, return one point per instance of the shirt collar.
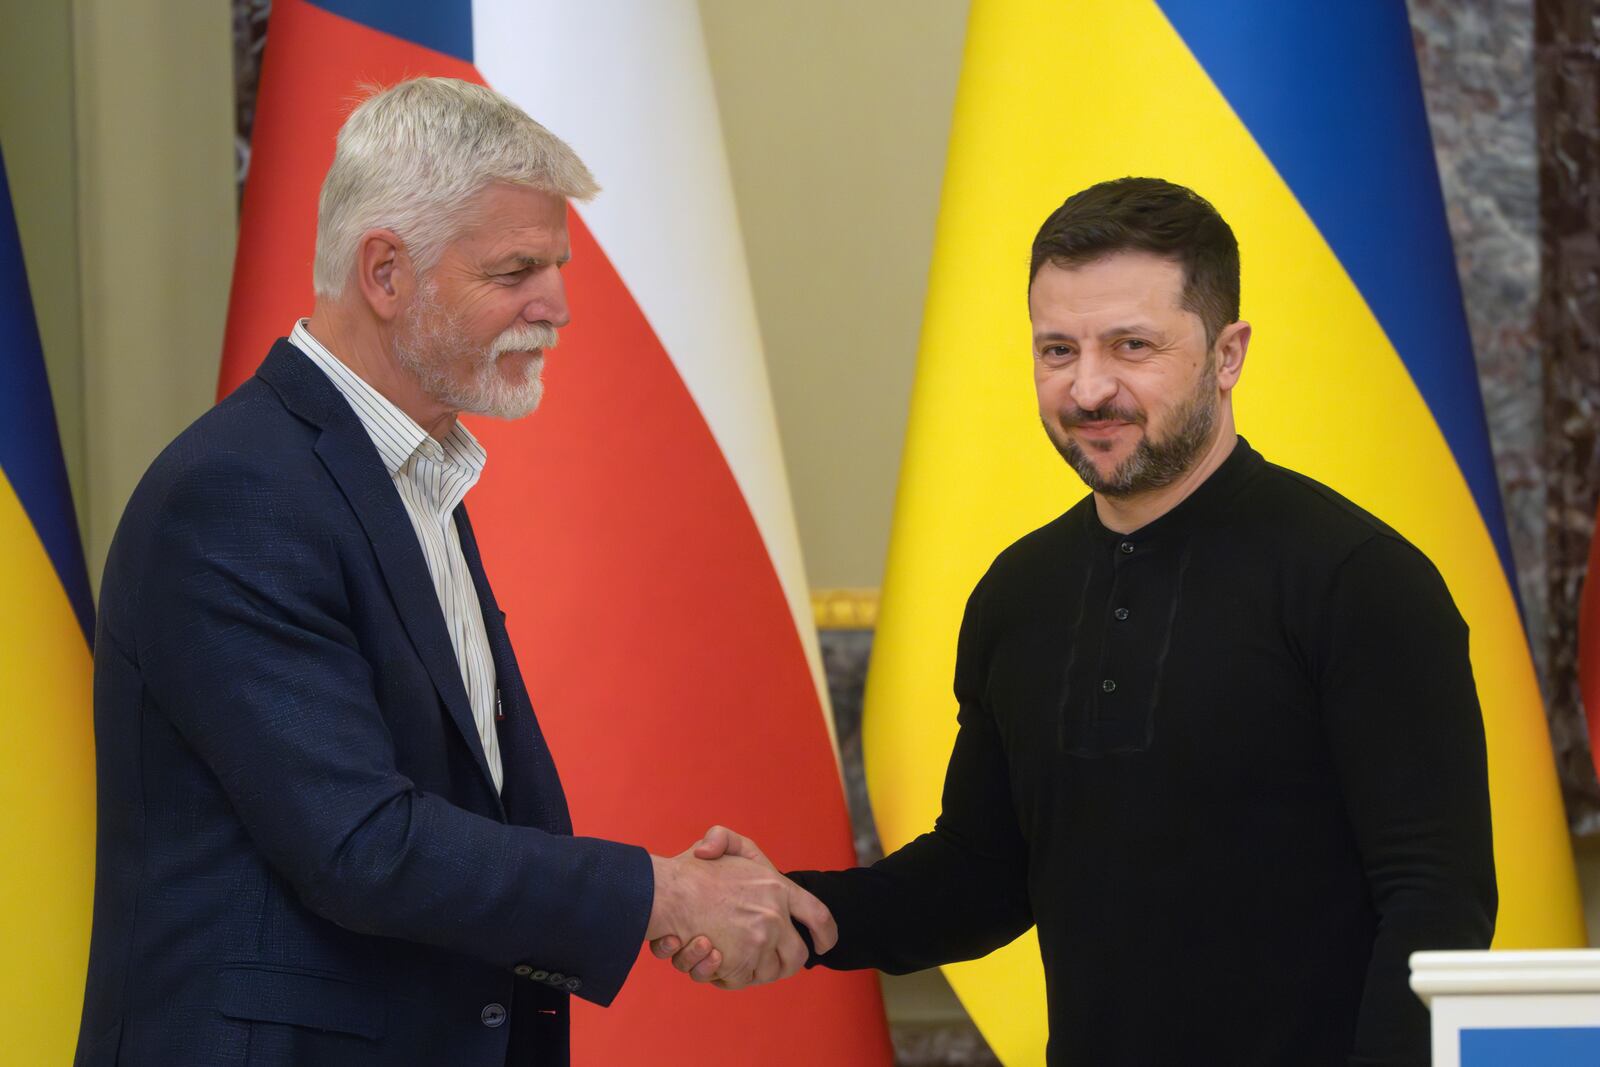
(396, 435)
(1223, 482)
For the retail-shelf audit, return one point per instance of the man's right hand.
(738, 903)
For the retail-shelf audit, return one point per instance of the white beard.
(432, 345)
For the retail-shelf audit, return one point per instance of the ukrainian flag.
(1304, 124)
(46, 741)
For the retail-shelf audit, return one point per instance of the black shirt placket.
(1119, 647)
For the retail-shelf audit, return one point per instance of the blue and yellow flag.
(1304, 124)
(46, 740)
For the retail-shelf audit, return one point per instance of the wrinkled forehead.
(503, 218)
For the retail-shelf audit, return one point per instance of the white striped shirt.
(432, 477)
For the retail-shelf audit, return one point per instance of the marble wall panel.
(1567, 53)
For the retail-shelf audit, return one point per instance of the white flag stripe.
(628, 84)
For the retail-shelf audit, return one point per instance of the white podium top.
(1446, 974)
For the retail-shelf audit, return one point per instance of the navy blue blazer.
(302, 858)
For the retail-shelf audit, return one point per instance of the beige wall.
(156, 226)
(836, 115)
(117, 122)
(36, 133)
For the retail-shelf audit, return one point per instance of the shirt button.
(1121, 614)
(1127, 548)
(539, 976)
(556, 978)
(522, 970)
(1108, 686)
(493, 1015)
(573, 985)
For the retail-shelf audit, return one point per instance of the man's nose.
(549, 303)
(1093, 383)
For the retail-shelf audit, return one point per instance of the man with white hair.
(330, 831)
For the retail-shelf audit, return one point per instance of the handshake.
(722, 914)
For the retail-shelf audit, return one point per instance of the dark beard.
(1154, 463)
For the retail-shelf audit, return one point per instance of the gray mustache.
(525, 337)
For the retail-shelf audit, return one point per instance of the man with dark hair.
(1219, 737)
(1149, 215)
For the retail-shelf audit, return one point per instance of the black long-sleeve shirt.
(1232, 765)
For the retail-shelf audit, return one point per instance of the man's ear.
(384, 273)
(1232, 343)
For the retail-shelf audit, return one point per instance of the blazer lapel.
(532, 789)
(347, 451)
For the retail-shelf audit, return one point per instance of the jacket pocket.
(300, 998)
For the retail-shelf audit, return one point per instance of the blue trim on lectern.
(1531, 1047)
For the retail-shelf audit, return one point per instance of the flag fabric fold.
(1304, 125)
(637, 528)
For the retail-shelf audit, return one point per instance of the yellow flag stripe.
(47, 790)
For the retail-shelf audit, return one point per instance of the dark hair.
(1149, 215)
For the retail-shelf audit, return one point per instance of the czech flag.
(46, 724)
(637, 528)
(1304, 124)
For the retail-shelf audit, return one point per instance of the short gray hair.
(412, 156)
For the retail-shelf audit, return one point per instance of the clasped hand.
(723, 913)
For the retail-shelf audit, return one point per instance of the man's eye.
(1055, 353)
(1135, 343)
